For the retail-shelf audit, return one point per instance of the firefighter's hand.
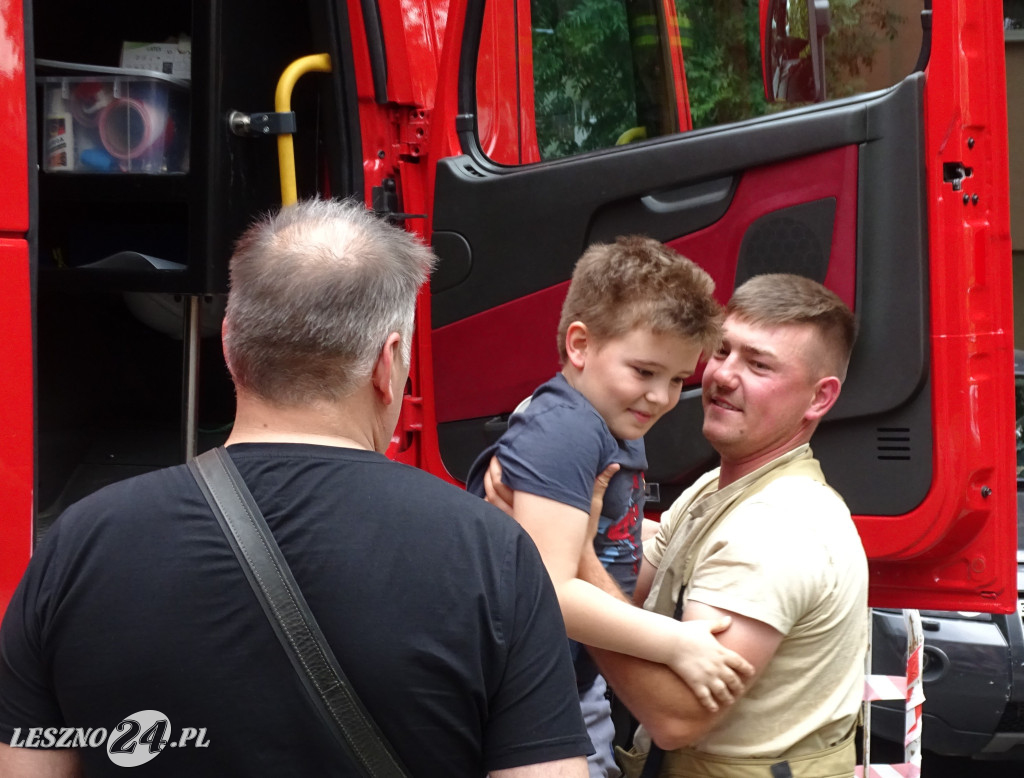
(597, 500)
(497, 493)
(590, 568)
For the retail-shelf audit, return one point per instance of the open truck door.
(511, 135)
(895, 197)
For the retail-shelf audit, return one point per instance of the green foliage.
(857, 28)
(594, 81)
(723, 60)
(584, 96)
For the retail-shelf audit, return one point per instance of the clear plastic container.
(113, 120)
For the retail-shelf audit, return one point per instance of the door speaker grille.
(893, 443)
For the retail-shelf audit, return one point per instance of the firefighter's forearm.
(593, 572)
(660, 700)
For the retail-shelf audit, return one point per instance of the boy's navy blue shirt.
(555, 448)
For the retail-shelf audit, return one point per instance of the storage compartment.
(130, 242)
(165, 178)
(113, 120)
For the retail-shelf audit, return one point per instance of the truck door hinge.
(385, 202)
(413, 132)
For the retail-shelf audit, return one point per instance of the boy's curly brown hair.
(640, 282)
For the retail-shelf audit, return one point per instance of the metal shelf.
(114, 187)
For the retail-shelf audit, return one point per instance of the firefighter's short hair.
(781, 299)
(316, 289)
(638, 282)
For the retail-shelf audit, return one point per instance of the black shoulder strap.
(289, 615)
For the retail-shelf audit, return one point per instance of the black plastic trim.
(378, 52)
(466, 124)
(665, 214)
(341, 125)
(32, 237)
(892, 262)
(926, 38)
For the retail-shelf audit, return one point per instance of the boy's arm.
(661, 701)
(590, 567)
(39, 762)
(563, 768)
(599, 619)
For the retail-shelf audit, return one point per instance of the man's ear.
(223, 338)
(577, 339)
(826, 392)
(388, 360)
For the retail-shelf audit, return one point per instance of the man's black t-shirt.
(436, 604)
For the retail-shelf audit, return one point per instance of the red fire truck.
(859, 142)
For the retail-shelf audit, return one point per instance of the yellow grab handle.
(630, 135)
(283, 104)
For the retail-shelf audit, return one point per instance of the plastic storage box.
(113, 120)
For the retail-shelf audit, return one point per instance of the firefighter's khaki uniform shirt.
(789, 556)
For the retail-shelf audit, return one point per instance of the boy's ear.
(577, 339)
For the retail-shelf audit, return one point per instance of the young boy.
(634, 323)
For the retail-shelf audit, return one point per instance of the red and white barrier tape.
(910, 690)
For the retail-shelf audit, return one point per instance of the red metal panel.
(14, 138)
(16, 438)
(675, 56)
(525, 328)
(16, 417)
(956, 551)
(413, 33)
(504, 105)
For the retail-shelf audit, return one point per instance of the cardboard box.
(171, 59)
